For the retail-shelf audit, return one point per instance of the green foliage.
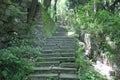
(14, 63)
(86, 72)
(49, 24)
(16, 35)
(13, 11)
(99, 24)
(6, 1)
(95, 0)
(16, 0)
(24, 51)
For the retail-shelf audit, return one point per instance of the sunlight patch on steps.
(70, 33)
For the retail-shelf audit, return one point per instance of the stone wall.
(13, 23)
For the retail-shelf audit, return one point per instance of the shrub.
(15, 63)
(86, 71)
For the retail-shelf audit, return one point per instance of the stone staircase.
(57, 61)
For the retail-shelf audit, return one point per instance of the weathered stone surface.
(61, 59)
(44, 76)
(51, 69)
(69, 65)
(47, 64)
(58, 59)
(58, 54)
(57, 50)
(68, 77)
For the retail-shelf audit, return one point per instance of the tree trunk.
(32, 10)
(95, 7)
(20, 2)
(47, 4)
(55, 9)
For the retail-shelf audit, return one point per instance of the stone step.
(68, 77)
(61, 38)
(67, 42)
(57, 50)
(57, 44)
(42, 70)
(59, 47)
(44, 77)
(60, 44)
(54, 77)
(46, 64)
(61, 29)
(57, 63)
(58, 54)
(60, 34)
(58, 58)
(65, 37)
(69, 65)
(61, 59)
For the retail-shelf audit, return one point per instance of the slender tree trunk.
(95, 7)
(20, 2)
(47, 4)
(32, 10)
(55, 9)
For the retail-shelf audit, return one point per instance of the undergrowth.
(86, 71)
(17, 51)
(14, 64)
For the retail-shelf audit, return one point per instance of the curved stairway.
(57, 61)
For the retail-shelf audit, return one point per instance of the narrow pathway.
(57, 61)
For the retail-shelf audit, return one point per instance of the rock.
(87, 40)
(110, 43)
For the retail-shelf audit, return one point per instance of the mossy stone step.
(69, 65)
(57, 50)
(42, 70)
(57, 44)
(57, 63)
(61, 44)
(68, 77)
(61, 29)
(59, 47)
(61, 59)
(70, 54)
(44, 76)
(54, 77)
(47, 64)
(59, 38)
(60, 34)
(62, 37)
(66, 42)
